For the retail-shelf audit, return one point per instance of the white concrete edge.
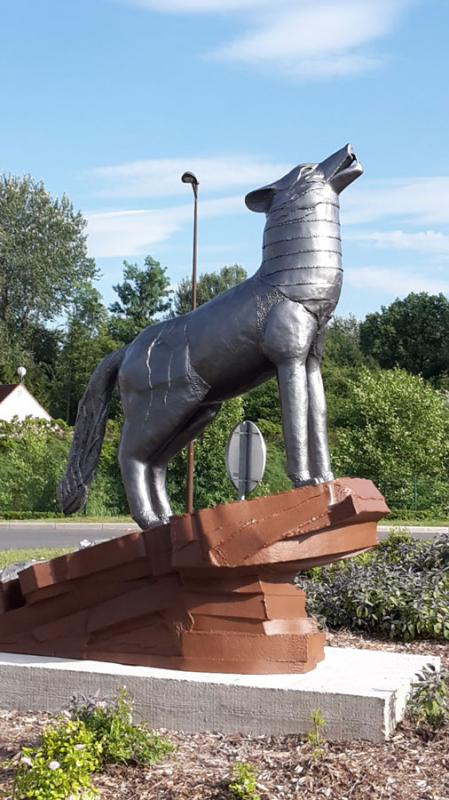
(316, 680)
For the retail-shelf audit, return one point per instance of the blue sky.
(111, 100)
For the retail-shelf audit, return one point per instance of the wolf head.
(307, 183)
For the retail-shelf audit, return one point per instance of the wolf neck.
(302, 251)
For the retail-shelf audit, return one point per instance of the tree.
(343, 343)
(143, 296)
(210, 284)
(412, 334)
(85, 342)
(43, 255)
(43, 259)
(396, 433)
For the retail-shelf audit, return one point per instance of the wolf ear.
(260, 199)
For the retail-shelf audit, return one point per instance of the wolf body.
(175, 374)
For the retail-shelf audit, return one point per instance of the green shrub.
(61, 766)
(110, 723)
(428, 704)
(244, 782)
(400, 590)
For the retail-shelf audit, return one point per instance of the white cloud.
(421, 200)
(393, 282)
(162, 177)
(300, 38)
(131, 233)
(420, 241)
(316, 38)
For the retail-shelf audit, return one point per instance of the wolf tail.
(90, 426)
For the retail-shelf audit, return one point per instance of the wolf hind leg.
(158, 469)
(153, 421)
(136, 479)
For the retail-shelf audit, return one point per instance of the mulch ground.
(410, 766)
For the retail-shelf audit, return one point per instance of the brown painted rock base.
(209, 592)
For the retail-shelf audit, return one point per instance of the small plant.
(61, 766)
(314, 736)
(428, 704)
(122, 742)
(244, 782)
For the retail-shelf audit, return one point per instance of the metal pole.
(189, 177)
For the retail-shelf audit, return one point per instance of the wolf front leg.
(318, 440)
(288, 335)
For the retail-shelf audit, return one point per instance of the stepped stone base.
(209, 592)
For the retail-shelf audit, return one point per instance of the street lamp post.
(189, 177)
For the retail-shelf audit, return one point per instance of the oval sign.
(246, 456)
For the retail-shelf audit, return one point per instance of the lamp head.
(189, 177)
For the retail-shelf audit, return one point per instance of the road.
(20, 535)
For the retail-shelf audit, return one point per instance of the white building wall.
(20, 403)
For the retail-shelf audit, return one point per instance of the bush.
(61, 766)
(400, 590)
(110, 723)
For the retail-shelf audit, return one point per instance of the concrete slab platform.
(361, 693)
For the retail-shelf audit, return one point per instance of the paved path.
(19, 535)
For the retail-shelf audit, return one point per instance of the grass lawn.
(8, 557)
(423, 523)
(78, 518)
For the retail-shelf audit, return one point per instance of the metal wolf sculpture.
(175, 374)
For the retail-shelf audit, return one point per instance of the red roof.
(6, 389)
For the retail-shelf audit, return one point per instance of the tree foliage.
(43, 262)
(86, 341)
(209, 285)
(342, 347)
(412, 334)
(143, 295)
(43, 254)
